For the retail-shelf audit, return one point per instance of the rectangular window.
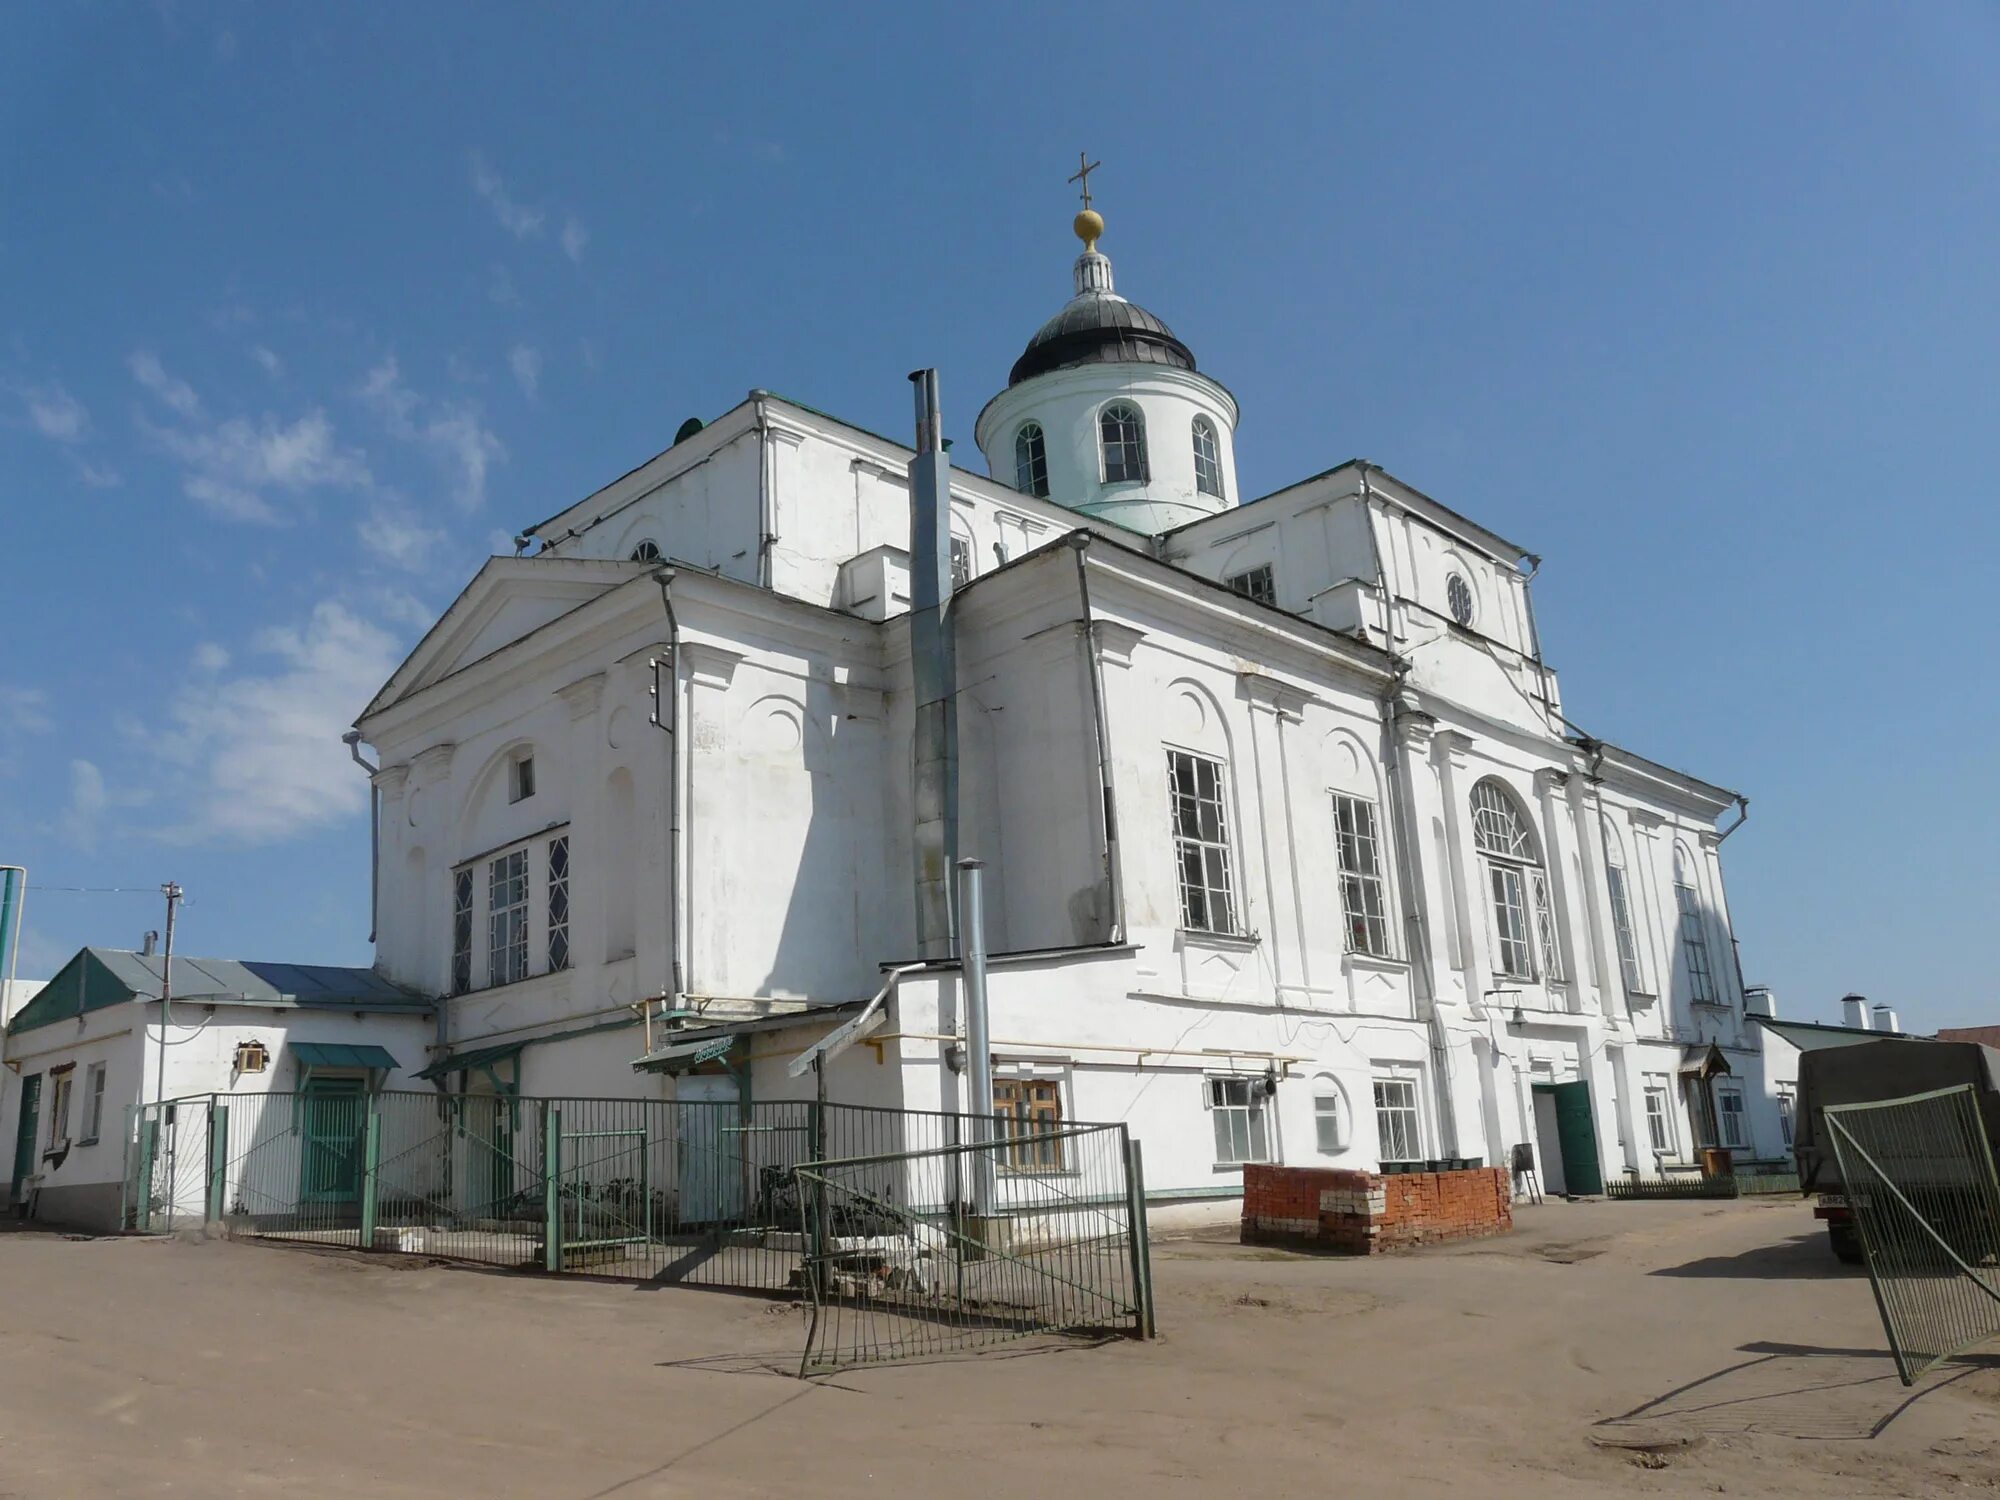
(1659, 1123)
(1256, 583)
(1701, 1118)
(1332, 1139)
(1367, 923)
(1237, 1105)
(521, 779)
(1729, 1105)
(1396, 1123)
(93, 1102)
(559, 903)
(961, 562)
(1545, 926)
(1201, 842)
(507, 918)
(1028, 1111)
(1785, 1107)
(461, 931)
(1621, 924)
(1510, 922)
(59, 1110)
(1694, 943)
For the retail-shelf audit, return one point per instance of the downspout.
(1381, 569)
(1535, 633)
(1742, 817)
(767, 501)
(1595, 775)
(352, 739)
(1114, 882)
(677, 895)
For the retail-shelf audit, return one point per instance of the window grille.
(1237, 1108)
(559, 903)
(1256, 583)
(1031, 461)
(1207, 459)
(1029, 1111)
(1458, 598)
(1621, 924)
(646, 551)
(507, 918)
(1396, 1121)
(461, 931)
(1201, 842)
(1514, 879)
(1123, 435)
(1366, 921)
(961, 562)
(1545, 926)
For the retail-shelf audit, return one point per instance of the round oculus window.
(1458, 596)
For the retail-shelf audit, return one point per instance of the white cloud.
(500, 286)
(228, 502)
(88, 802)
(526, 363)
(150, 373)
(516, 218)
(97, 476)
(398, 538)
(267, 361)
(56, 413)
(262, 751)
(231, 465)
(451, 431)
(574, 238)
(210, 657)
(24, 710)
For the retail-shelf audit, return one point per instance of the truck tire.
(1846, 1241)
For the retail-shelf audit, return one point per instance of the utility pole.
(172, 891)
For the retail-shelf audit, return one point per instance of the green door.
(1576, 1132)
(333, 1110)
(24, 1134)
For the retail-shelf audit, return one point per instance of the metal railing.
(1919, 1181)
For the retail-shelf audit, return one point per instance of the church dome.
(1100, 328)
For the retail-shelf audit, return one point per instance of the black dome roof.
(1096, 329)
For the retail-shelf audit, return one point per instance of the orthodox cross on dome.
(1085, 166)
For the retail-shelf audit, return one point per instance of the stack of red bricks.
(1364, 1213)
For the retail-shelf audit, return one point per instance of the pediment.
(509, 598)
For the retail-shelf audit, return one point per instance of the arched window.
(646, 551)
(1694, 935)
(1207, 459)
(1621, 918)
(1031, 461)
(1518, 886)
(1124, 441)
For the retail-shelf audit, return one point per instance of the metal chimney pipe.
(934, 675)
(1854, 1011)
(148, 944)
(1885, 1019)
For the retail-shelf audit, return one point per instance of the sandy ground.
(1722, 1338)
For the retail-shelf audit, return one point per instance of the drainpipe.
(677, 896)
(1381, 569)
(767, 501)
(1114, 880)
(1742, 817)
(933, 676)
(1535, 632)
(352, 739)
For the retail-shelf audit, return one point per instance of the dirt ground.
(1666, 1348)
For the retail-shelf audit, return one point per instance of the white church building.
(1289, 851)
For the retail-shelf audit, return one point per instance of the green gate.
(1919, 1178)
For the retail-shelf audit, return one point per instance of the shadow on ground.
(1803, 1257)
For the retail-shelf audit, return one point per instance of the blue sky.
(306, 310)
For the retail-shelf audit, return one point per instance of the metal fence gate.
(1920, 1183)
(924, 1253)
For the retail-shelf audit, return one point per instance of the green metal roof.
(477, 1057)
(342, 1055)
(100, 977)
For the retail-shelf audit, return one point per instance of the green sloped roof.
(342, 1055)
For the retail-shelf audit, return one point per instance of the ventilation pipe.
(934, 675)
(1854, 1011)
(1885, 1020)
(149, 944)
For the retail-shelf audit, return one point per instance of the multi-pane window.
(1207, 459)
(1255, 583)
(93, 1101)
(59, 1109)
(1785, 1107)
(1729, 1108)
(1123, 437)
(461, 931)
(1396, 1122)
(1361, 902)
(647, 551)
(559, 903)
(1329, 1129)
(1029, 1111)
(961, 562)
(1237, 1107)
(1031, 461)
(1659, 1124)
(1694, 937)
(507, 918)
(1621, 924)
(1201, 842)
(1458, 598)
(1515, 880)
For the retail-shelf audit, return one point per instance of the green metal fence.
(907, 1232)
(1920, 1183)
(1750, 1180)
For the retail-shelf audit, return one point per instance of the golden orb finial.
(1089, 227)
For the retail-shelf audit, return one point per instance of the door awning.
(680, 1050)
(342, 1055)
(477, 1057)
(1704, 1062)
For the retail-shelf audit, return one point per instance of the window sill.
(1239, 940)
(89, 1140)
(1235, 1166)
(1381, 961)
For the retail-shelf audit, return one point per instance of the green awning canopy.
(342, 1055)
(681, 1056)
(478, 1057)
